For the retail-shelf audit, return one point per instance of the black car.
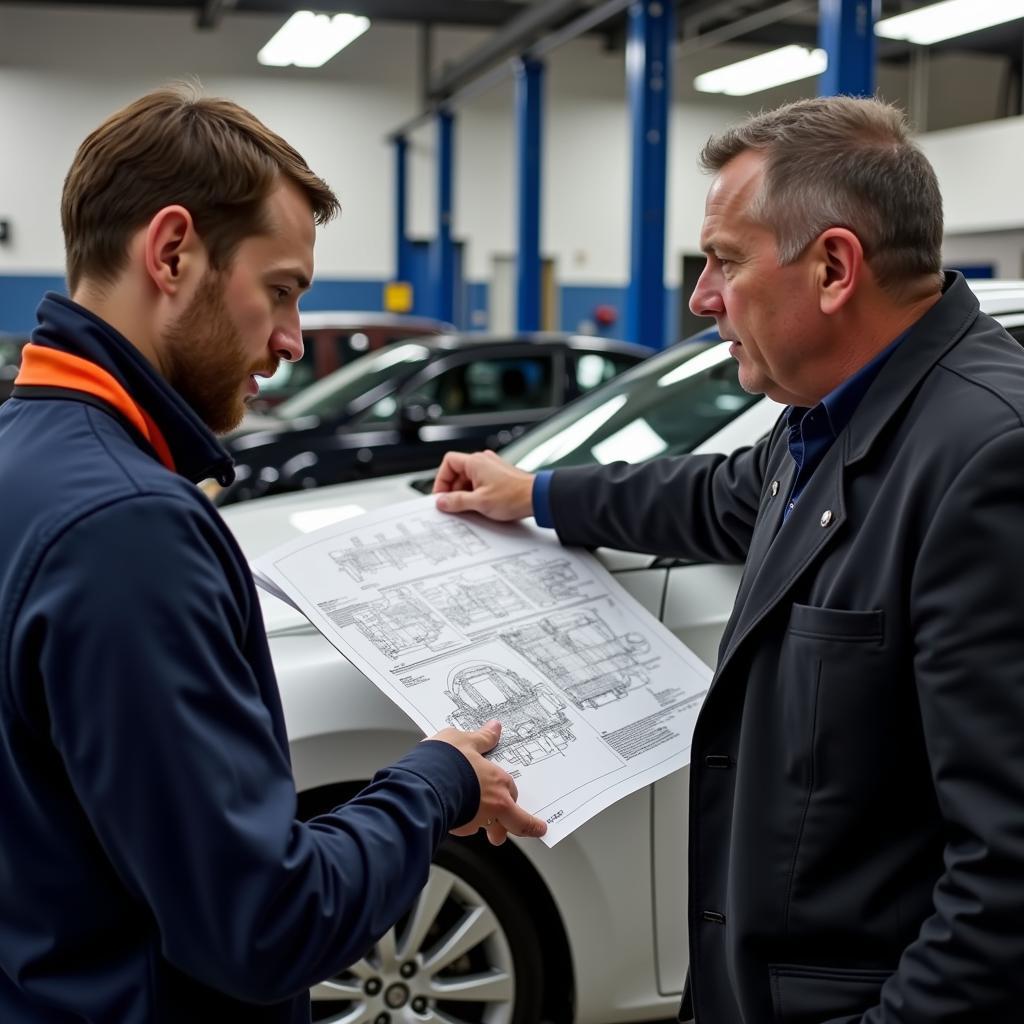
(331, 340)
(10, 362)
(401, 407)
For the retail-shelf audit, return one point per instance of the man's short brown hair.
(842, 162)
(176, 147)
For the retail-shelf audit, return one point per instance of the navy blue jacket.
(150, 865)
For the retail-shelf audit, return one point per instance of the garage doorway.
(501, 306)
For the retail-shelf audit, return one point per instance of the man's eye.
(281, 293)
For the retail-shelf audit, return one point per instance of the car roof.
(999, 296)
(590, 342)
(347, 319)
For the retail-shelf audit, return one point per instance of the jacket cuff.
(448, 772)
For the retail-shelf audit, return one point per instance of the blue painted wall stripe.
(20, 295)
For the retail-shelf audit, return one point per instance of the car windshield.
(667, 405)
(332, 396)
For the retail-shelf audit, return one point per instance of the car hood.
(260, 526)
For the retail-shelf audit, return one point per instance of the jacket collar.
(924, 344)
(68, 327)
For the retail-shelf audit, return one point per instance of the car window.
(508, 384)
(385, 410)
(666, 405)
(594, 368)
(332, 396)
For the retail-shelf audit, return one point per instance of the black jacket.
(857, 773)
(150, 865)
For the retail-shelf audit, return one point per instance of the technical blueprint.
(460, 620)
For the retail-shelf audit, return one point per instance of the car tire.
(468, 952)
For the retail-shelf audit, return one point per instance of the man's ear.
(841, 268)
(172, 251)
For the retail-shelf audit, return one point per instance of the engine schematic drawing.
(430, 544)
(397, 624)
(472, 598)
(580, 654)
(533, 720)
(543, 581)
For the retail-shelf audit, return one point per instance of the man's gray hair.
(837, 161)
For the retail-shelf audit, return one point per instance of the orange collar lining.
(49, 367)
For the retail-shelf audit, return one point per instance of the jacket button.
(826, 517)
(714, 917)
(718, 761)
(775, 487)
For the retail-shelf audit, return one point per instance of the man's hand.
(483, 482)
(498, 812)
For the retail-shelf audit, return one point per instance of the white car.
(593, 931)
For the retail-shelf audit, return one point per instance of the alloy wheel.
(448, 961)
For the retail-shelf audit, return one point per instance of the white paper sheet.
(460, 620)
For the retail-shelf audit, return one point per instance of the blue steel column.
(529, 102)
(647, 83)
(442, 255)
(846, 32)
(403, 251)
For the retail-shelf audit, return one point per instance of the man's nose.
(286, 341)
(706, 300)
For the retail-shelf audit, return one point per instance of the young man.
(857, 770)
(150, 864)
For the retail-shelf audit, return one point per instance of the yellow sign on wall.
(398, 296)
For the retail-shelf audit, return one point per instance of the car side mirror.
(414, 413)
(411, 417)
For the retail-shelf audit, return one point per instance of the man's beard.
(206, 360)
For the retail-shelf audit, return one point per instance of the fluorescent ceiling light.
(949, 19)
(788, 64)
(308, 40)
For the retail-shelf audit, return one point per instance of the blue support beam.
(846, 32)
(403, 247)
(529, 109)
(442, 255)
(648, 62)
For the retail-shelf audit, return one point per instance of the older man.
(857, 772)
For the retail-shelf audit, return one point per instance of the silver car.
(593, 931)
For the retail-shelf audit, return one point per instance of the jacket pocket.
(809, 995)
(836, 624)
(830, 666)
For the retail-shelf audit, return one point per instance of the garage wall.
(56, 85)
(61, 72)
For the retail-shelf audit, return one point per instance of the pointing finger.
(517, 822)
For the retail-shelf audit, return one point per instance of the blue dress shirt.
(812, 431)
